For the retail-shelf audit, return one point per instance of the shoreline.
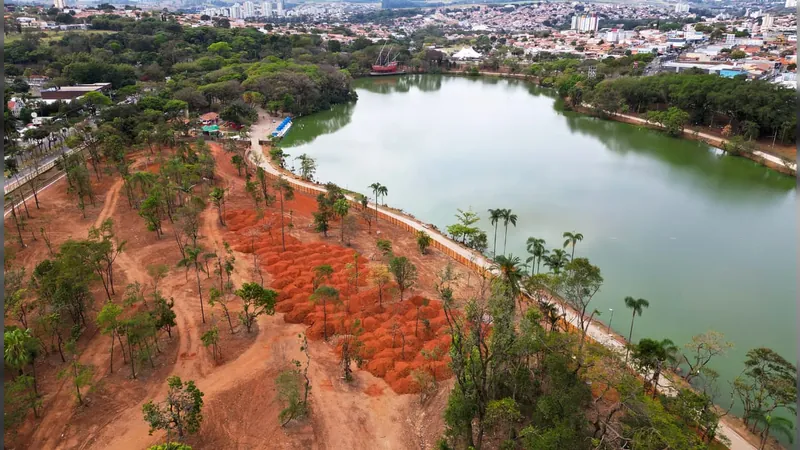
(597, 331)
(764, 158)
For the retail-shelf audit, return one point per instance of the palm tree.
(192, 259)
(494, 217)
(572, 239)
(536, 248)
(19, 350)
(638, 306)
(651, 355)
(341, 207)
(509, 267)
(557, 260)
(383, 191)
(376, 189)
(780, 424)
(508, 217)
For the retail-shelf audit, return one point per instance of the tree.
(341, 207)
(19, 350)
(405, 273)
(324, 294)
(350, 347)
(537, 250)
(424, 241)
(19, 397)
(510, 270)
(571, 238)
(192, 259)
(109, 323)
(151, 211)
(308, 166)
(181, 412)
(322, 273)
(673, 120)
(256, 301)
(768, 383)
(495, 215)
(81, 374)
(557, 260)
(286, 191)
(578, 284)
(738, 54)
(702, 349)
(378, 190)
(217, 197)
(381, 277)
(164, 314)
(651, 356)
(211, 339)
(508, 217)
(215, 297)
(385, 246)
(106, 250)
(637, 307)
(288, 386)
(771, 422)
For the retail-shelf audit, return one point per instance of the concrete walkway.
(596, 330)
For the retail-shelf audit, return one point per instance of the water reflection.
(721, 176)
(307, 129)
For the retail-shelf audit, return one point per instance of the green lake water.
(708, 239)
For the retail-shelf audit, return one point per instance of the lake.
(709, 239)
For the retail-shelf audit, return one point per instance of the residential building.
(767, 22)
(682, 8)
(585, 22)
(791, 4)
(281, 12)
(249, 9)
(236, 11)
(266, 9)
(60, 4)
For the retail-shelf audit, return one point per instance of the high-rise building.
(730, 39)
(767, 22)
(280, 8)
(791, 4)
(60, 4)
(236, 11)
(682, 8)
(266, 9)
(249, 9)
(585, 22)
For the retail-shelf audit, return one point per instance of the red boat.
(388, 68)
(385, 65)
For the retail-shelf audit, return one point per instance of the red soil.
(393, 337)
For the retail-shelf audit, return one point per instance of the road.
(596, 330)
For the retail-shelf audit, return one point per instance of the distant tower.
(60, 4)
(280, 8)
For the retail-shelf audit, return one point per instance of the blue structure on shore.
(283, 128)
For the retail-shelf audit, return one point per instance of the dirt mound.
(399, 337)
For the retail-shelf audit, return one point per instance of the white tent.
(466, 53)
